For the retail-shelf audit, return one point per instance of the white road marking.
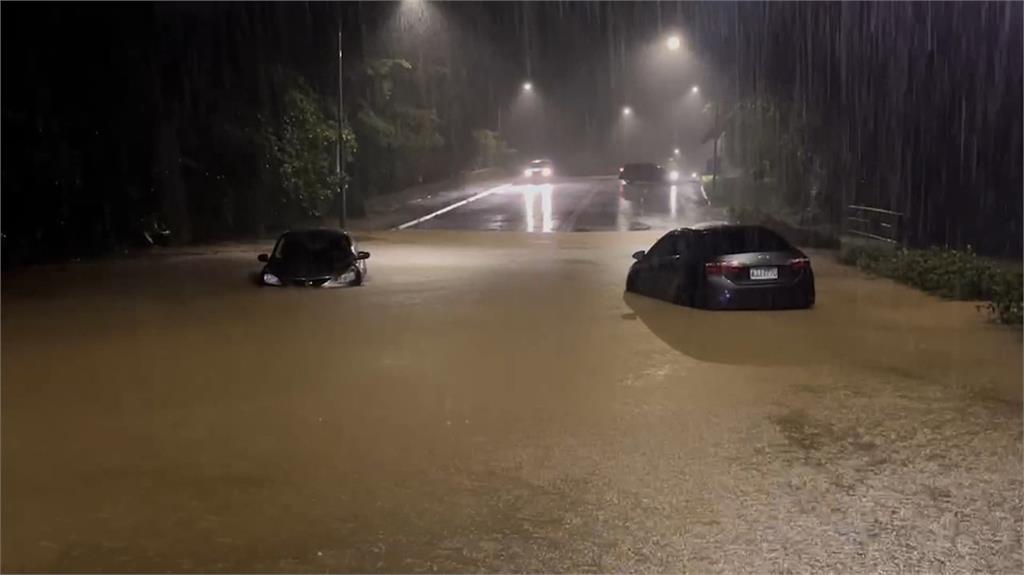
(456, 205)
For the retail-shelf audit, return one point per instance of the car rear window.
(741, 240)
(642, 172)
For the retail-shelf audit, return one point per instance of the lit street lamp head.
(528, 86)
(627, 111)
(676, 151)
(694, 89)
(673, 43)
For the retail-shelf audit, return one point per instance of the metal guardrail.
(874, 223)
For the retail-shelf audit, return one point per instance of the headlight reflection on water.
(529, 195)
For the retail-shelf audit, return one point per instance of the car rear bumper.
(726, 295)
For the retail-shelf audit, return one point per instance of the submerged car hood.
(309, 268)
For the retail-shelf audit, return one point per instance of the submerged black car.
(314, 258)
(724, 266)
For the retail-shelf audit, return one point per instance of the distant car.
(636, 179)
(539, 169)
(724, 266)
(314, 258)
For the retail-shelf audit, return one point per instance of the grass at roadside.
(953, 274)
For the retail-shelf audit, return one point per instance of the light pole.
(714, 154)
(525, 90)
(342, 187)
(627, 113)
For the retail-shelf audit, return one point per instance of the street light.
(676, 151)
(673, 43)
(627, 111)
(694, 89)
(528, 86)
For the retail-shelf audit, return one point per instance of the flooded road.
(584, 204)
(493, 402)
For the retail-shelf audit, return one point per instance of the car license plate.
(764, 273)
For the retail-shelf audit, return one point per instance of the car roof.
(706, 227)
(541, 161)
(714, 225)
(316, 232)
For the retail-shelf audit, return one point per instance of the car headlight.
(546, 172)
(270, 279)
(343, 279)
(526, 173)
(673, 175)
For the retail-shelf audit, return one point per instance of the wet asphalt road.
(493, 402)
(578, 204)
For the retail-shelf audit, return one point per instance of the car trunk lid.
(759, 268)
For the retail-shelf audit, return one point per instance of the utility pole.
(342, 187)
(714, 157)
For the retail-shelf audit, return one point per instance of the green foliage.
(390, 124)
(953, 274)
(381, 74)
(398, 138)
(770, 142)
(490, 150)
(302, 149)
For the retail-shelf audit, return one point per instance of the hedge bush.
(960, 275)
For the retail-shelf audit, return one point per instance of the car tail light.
(799, 264)
(720, 268)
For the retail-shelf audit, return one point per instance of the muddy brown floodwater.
(492, 402)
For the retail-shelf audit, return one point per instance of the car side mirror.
(362, 255)
(639, 255)
(263, 258)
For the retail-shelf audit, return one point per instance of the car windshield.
(740, 240)
(314, 247)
